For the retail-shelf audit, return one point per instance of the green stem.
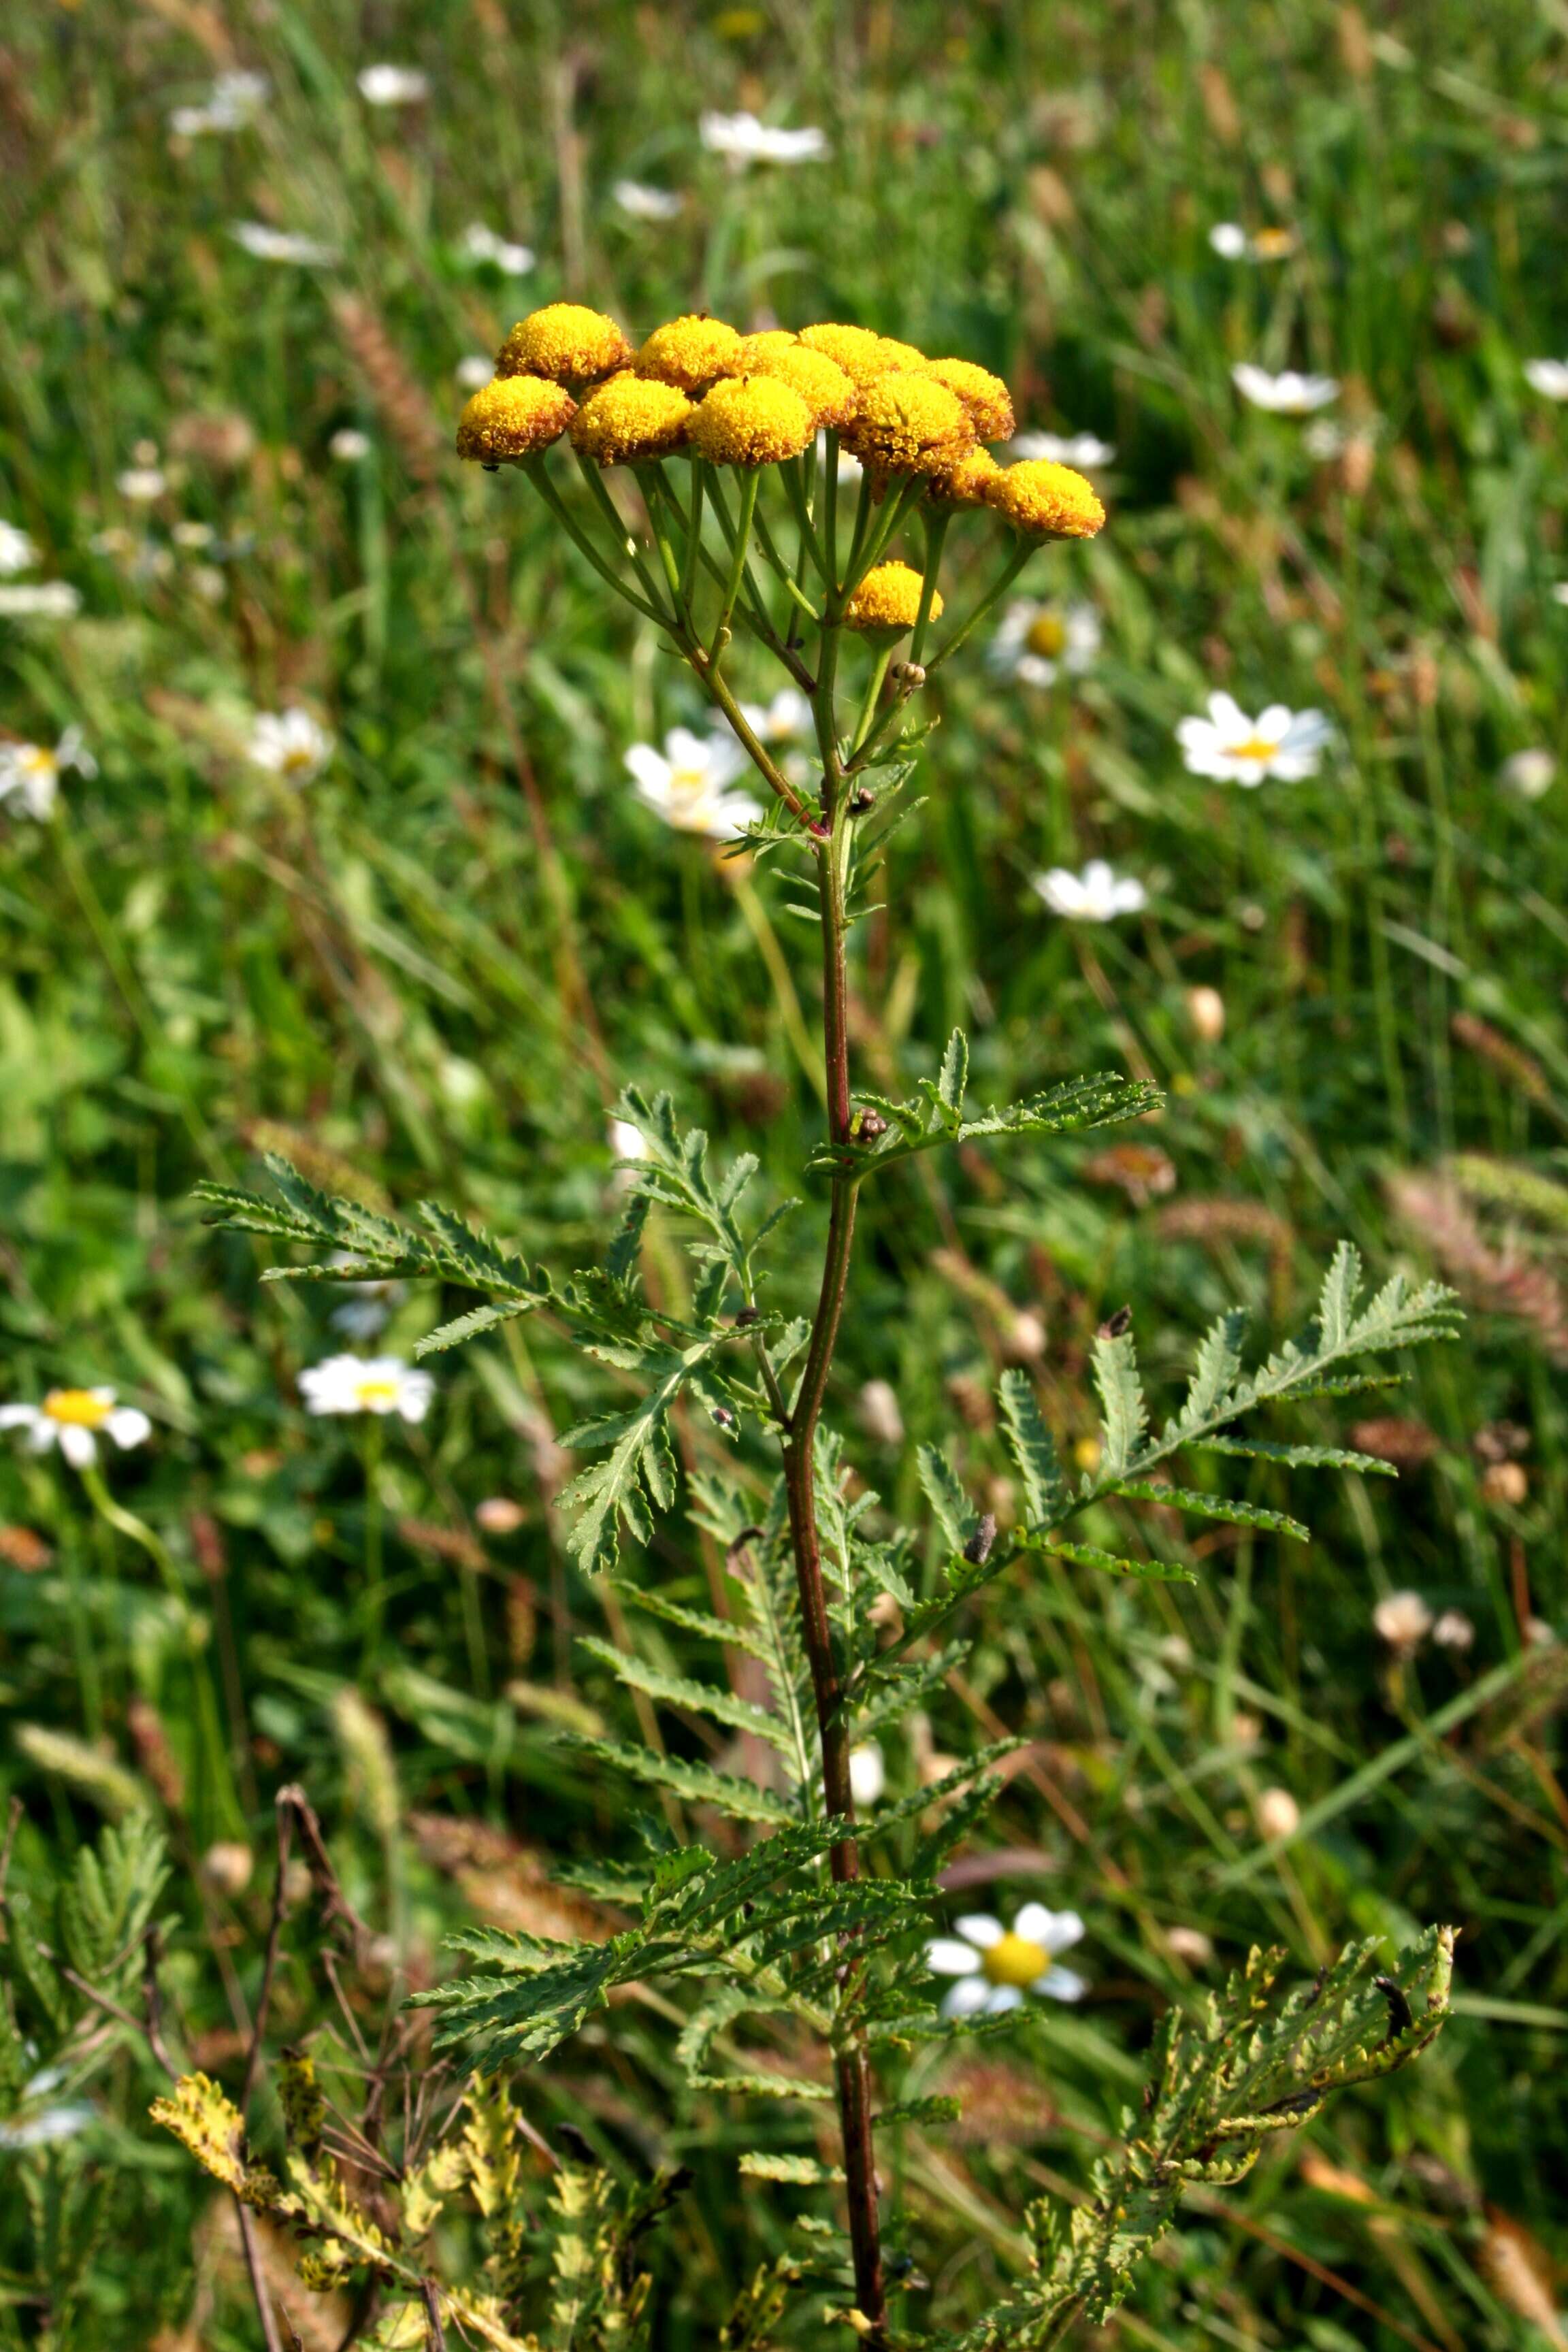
(594, 477)
(937, 521)
(537, 474)
(869, 705)
(742, 538)
(375, 1564)
(830, 512)
(992, 596)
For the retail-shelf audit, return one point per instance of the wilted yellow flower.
(821, 382)
(1045, 501)
(862, 355)
(630, 418)
(564, 341)
(985, 397)
(889, 598)
(511, 417)
(968, 483)
(690, 352)
(751, 420)
(908, 424)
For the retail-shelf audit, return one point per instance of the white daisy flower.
(1287, 394)
(1084, 450)
(38, 600)
(1095, 896)
(994, 1966)
(483, 244)
(687, 784)
(291, 744)
(74, 1418)
(268, 244)
(1285, 744)
(17, 553)
(1035, 643)
(787, 719)
(32, 772)
(1233, 243)
(379, 1384)
(1548, 377)
(393, 86)
(867, 1774)
(1528, 773)
(474, 372)
(235, 100)
(744, 139)
(642, 203)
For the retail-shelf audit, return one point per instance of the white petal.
(43, 1434)
(19, 1416)
(1003, 1998)
(1034, 1923)
(979, 1928)
(1228, 716)
(965, 1997)
(128, 1426)
(649, 769)
(1058, 1930)
(949, 1957)
(78, 1446)
(1061, 1984)
(1274, 724)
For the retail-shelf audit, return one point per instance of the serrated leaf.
(699, 1698)
(469, 1326)
(696, 1783)
(954, 1512)
(727, 1630)
(929, 1120)
(955, 1079)
(1109, 1563)
(1126, 1416)
(1296, 1457)
(1211, 1506)
(1033, 1450)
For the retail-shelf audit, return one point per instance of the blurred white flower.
(235, 99)
(867, 1774)
(1278, 1814)
(689, 783)
(1233, 243)
(1454, 1631)
(393, 86)
(627, 1140)
(1035, 642)
(349, 444)
(1095, 896)
(1084, 450)
(744, 139)
(1548, 377)
(1404, 1620)
(279, 244)
(1205, 1011)
(996, 1966)
(74, 1418)
(368, 1308)
(1560, 593)
(1288, 394)
(141, 484)
(481, 244)
(1285, 744)
(17, 553)
(1528, 773)
(1190, 1944)
(51, 2124)
(877, 1410)
(38, 600)
(499, 1514)
(787, 719)
(474, 372)
(32, 772)
(379, 1384)
(289, 744)
(193, 534)
(643, 203)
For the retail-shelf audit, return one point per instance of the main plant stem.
(851, 2063)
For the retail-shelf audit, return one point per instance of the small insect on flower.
(1044, 501)
(1233, 243)
(291, 744)
(751, 420)
(1083, 450)
(1037, 643)
(386, 85)
(985, 397)
(888, 601)
(641, 202)
(994, 1967)
(630, 418)
(909, 424)
(32, 772)
(74, 1420)
(863, 355)
(1285, 744)
(690, 352)
(378, 1384)
(565, 341)
(688, 784)
(1548, 377)
(1287, 395)
(512, 417)
(17, 553)
(483, 244)
(1096, 896)
(742, 138)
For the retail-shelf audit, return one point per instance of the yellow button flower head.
(985, 396)
(1045, 501)
(821, 382)
(564, 341)
(889, 598)
(628, 419)
(968, 482)
(511, 417)
(908, 424)
(862, 355)
(690, 352)
(751, 420)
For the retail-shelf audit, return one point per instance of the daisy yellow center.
(1046, 635)
(78, 1408)
(377, 1392)
(36, 762)
(1014, 1962)
(298, 756)
(1254, 747)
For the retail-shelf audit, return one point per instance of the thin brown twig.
(270, 1962)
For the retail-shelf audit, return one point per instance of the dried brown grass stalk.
(1497, 1280)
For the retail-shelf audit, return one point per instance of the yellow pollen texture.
(78, 1408)
(565, 341)
(690, 352)
(630, 418)
(372, 1392)
(751, 420)
(511, 417)
(1046, 635)
(964, 485)
(908, 424)
(1014, 1962)
(1255, 747)
(821, 382)
(889, 598)
(985, 397)
(862, 355)
(1045, 501)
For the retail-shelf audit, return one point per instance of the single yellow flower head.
(511, 417)
(821, 382)
(1045, 501)
(908, 424)
(751, 420)
(564, 341)
(690, 352)
(985, 396)
(889, 598)
(967, 483)
(630, 418)
(862, 355)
